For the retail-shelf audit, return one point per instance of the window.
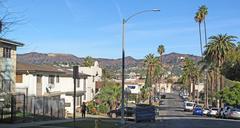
(51, 79)
(84, 85)
(57, 79)
(6, 52)
(39, 79)
(78, 100)
(78, 83)
(19, 78)
(6, 85)
(84, 97)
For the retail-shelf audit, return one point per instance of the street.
(171, 115)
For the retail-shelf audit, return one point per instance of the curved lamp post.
(124, 21)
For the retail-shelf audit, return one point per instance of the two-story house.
(8, 64)
(51, 81)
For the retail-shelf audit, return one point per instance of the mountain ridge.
(54, 58)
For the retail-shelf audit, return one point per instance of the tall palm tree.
(151, 62)
(203, 10)
(161, 50)
(216, 51)
(198, 18)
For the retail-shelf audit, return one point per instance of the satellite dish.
(49, 87)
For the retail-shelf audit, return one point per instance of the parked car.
(188, 106)
(205, 111)
(198, 111)
(220, 113)
(233, 113)
(163, 96)
(213, 112)
(226, 111)
(128, 111)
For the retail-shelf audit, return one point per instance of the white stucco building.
(43, 80)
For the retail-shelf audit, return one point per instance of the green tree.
(190, 75)
(88, 61)
(231, 67)
(230, 95)
(216, 52)
(110, 95)
(150, 61)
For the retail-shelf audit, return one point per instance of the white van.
(188, 106)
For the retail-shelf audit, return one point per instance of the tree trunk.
(211, 85)
(193, 93)
(207, 84)
(205, 31)
(190, 87)
(222, 87)
(150, 84)
(218, 85)
(200, 37)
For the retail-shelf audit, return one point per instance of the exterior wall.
(164, 87)
(95, 73)
(65, 85)
(8, 66)
(199, 87)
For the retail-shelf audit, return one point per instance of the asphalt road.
(171, 115)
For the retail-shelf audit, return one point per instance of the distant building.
(44, 80)
(8, 64)
(133, 88)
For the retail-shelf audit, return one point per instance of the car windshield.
(189, 104)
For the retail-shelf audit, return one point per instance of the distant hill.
(55, 58)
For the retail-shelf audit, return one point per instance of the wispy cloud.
(118, 9)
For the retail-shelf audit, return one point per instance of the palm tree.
(88, 61)
(208, 68)
(198, 18)
(151, 62)
(190, 75)
(161, 50)
(203, 12)
(216, 51)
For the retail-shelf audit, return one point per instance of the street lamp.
(124, 21)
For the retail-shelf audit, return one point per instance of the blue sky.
(93, 27)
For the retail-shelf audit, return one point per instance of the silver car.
(233, 113)
(213, 112)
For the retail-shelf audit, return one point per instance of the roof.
(33, 68)
(70, 73)
(3, 40)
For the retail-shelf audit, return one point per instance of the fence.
(21, 108)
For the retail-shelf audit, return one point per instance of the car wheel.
(114, 115)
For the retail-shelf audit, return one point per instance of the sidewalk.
(18, 125)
